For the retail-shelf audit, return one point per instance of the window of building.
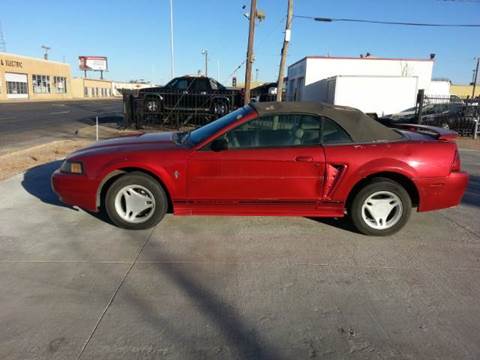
(85, 91)
(14, 87)
(41, 84)
(60, 84)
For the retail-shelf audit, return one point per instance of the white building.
(374, 85)
(439, 88)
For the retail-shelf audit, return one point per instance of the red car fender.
(386, 165)
(377, 166)
(117, 167)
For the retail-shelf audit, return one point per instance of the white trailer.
(439, 88)
(371, 80)
(379, 95)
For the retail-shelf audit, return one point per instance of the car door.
(176, 97)
(272, 162)
(200, 95)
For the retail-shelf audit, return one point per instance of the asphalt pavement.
(26, 124)
(75, 287)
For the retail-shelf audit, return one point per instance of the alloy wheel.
(135, 204)
(382, 210)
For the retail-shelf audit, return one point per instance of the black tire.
(152, 105)
(142, 181)
(220, 108)
(380, 185)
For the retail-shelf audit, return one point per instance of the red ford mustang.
(294, 159)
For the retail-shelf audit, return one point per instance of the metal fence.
(178, 110)
(460, 115)
(182, 110)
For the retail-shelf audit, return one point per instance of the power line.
(365, 21)
(260, 41)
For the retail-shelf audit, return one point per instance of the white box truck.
(380, 95)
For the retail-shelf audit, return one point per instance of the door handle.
(304, 158)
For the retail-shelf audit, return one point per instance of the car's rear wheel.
(381, 208)
(136, 201)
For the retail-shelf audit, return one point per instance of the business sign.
(93, 63)
(11, 63)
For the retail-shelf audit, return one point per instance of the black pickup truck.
(187, 96)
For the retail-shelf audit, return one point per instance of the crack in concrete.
(112, 298)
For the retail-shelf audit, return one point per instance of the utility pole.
(286, 41)
(172, 55)
(45, 53)
(205, 53)
(251, 35)
(475, 78)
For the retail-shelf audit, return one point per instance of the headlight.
(72, 167)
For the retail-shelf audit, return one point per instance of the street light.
(205, 53)
(45, 51)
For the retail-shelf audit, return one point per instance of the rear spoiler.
(437, 132)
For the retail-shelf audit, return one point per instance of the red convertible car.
(293, 159)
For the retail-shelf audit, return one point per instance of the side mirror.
(219, 144)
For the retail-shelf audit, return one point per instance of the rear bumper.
(75, 190)
(441, 193)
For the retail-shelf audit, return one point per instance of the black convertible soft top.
(359, 126)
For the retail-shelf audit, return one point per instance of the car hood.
(136, 139)
(161, 141)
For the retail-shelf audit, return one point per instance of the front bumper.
(441, 193)
(75, 190)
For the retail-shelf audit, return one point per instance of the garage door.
(17, 86)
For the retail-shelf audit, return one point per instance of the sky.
(135, 34)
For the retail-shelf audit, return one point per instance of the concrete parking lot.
(73, 286)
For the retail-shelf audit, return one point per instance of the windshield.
(203, 133)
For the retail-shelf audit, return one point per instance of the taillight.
(456, 165)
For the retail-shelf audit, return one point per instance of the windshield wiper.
(181, 137)
(178, 136)
(186, 137)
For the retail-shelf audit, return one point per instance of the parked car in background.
(265, 92)
(187, 95)
(295, 159)
(444, 115)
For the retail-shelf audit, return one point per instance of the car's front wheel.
(220, 108)
(381, 208)
(136, 201)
